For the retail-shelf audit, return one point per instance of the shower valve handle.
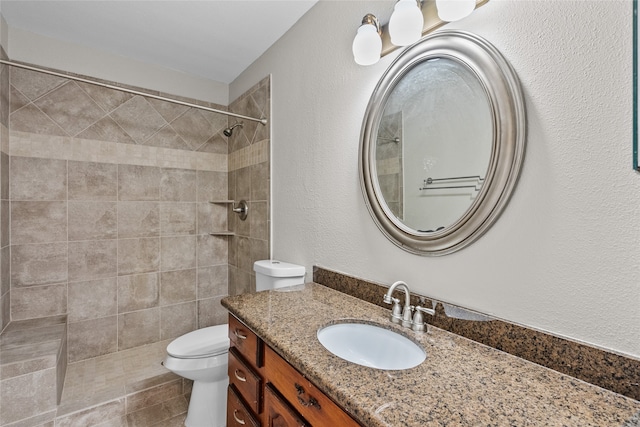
(242, 209)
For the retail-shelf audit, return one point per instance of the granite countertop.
(461, 382)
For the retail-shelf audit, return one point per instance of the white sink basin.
(372, 346)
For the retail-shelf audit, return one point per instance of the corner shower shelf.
(222, 233)
(222, 202)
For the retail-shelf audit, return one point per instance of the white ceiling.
(214, 39)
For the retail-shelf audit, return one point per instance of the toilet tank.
(273, 274)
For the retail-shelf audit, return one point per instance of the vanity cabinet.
(244, 396)
(265, 390)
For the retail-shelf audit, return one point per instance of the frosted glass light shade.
(405, 25)
(454, 10)
(367, 45)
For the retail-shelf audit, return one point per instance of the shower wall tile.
(5, 285)
(33, 84)
(245, 263)
(5, 277)
(138, 118)
(178, 319)
(92, 259)
(212, 250)
(211, 186)
(194, 127)
(212, 217)
(258, 221)
(216, 144)
(90, 220)
(178, 253)
(38, 301)
(70, 107)
(92, 338)
(93, 181)
(138, 328)
(178, 185)
(260, 181)
(178, 286)
(139, 183)
(106, 129)
(213, 281)
(138, 292)
(38, 264)
(31, 119)
(105, 98)
(4, 175)
(138, 256)
(25, 144)
(211, 312)
(5, 224)
(138, 219)
(177, 218)
(38, 222)
(167, 110)
(38, 179)
(167, 138)
(92, 299)
(16, 99)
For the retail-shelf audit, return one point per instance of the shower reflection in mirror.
(433, 174)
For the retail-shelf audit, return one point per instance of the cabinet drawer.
(303, 396)
(278, 413)
(245, 380)
(238, 415)
(245, 341)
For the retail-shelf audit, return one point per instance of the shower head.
(229, 131)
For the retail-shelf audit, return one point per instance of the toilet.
(202, 355)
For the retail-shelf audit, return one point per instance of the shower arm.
(262, 121)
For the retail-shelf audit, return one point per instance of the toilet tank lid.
(275, 268)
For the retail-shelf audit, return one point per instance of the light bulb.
(367, 45)
(405, 25)
(454, 10)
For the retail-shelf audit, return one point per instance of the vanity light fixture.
(454, 10)
(406, 22)
(367, 44)
(410, 20)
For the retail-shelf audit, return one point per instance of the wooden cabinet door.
(303, 396)
(277, 411)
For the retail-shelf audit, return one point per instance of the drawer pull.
(238, 334)
(238, 420)
(240, 377)
(311, 402)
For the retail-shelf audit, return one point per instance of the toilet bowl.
(202, 356)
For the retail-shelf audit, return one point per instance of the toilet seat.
(205, 342)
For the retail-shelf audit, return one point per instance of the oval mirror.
(442, 143)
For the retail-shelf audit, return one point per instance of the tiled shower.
(106, 215)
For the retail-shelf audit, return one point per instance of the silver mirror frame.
(509, 135)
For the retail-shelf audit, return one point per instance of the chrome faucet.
(399, 315)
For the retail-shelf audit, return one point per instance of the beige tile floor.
(121, 375)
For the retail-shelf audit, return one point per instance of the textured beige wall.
(563, 257)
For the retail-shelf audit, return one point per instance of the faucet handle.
(418, 324)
